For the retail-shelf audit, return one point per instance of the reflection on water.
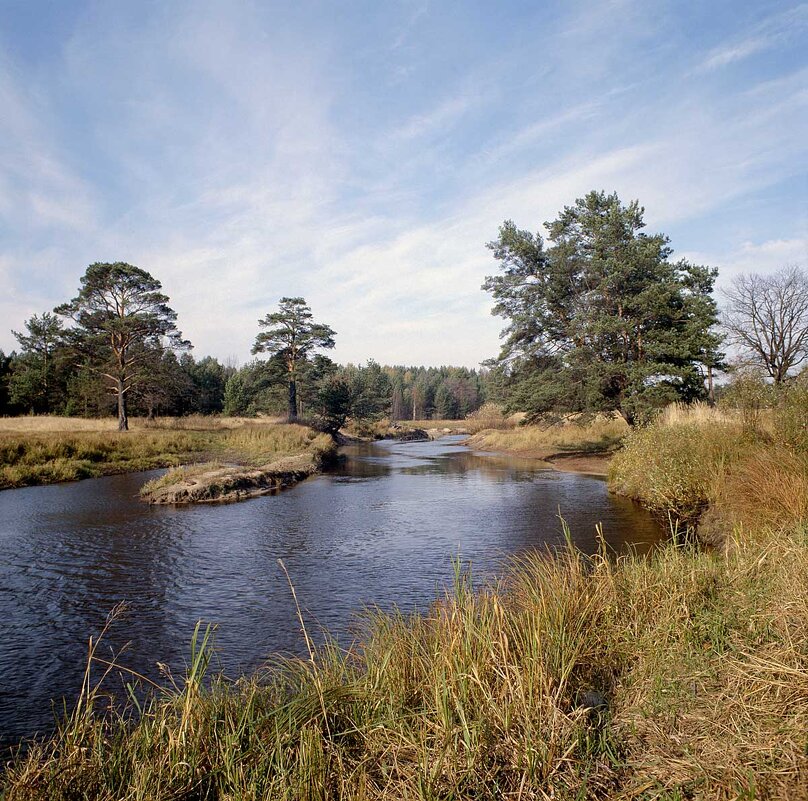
(380, 530)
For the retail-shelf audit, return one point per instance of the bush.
(791, 415)
(675, 470)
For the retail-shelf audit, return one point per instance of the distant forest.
(181, 385)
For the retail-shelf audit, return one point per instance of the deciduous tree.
(767, 318)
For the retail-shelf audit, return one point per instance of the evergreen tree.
(602, 320)
(33, 383)
(121, 319)
(292, 335)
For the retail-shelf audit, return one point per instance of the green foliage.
(122, 322)
(39, 372)
(334, 402)
(601, 320)
(207, 382)
(292, 335)
(6, 405)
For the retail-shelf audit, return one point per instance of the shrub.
(675, 470)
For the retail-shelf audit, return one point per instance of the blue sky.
(361, 154)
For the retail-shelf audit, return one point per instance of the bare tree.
(767, 317)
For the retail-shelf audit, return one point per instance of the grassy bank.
(578, 445)
(39, 450)
(705, 469)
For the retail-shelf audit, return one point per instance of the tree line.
(115, 348)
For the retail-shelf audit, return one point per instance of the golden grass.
(766, 488)
(48, 455)
(675, 469)
(704, 465)
(684, 675)
(600, 435)
(48, 423)
(698, 414)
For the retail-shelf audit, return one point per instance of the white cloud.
(754, 257)
(766, 35)
(242, 183)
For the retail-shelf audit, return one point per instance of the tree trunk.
(123, 420)
(710, 387)
(292, 398)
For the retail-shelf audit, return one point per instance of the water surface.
(381, 530)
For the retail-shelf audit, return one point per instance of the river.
(382, 529)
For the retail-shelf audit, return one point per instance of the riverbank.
(681, 676)
(715, 474)
(570, 446)
(45, 450)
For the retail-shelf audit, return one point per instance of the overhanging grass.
(697, 667)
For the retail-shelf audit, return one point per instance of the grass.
(30, 424)
(600, 435)
(66, 449)
(705, 468)
(676, 468)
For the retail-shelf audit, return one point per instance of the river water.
(381, 530)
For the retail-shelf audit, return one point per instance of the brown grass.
(545, 441)
(44, 454)
(703, 466)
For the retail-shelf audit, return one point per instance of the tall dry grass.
(699, 465)
(604, 433)
(680, 676)
(683, 675)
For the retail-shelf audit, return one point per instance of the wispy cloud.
(238, 154)
(764, 36)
